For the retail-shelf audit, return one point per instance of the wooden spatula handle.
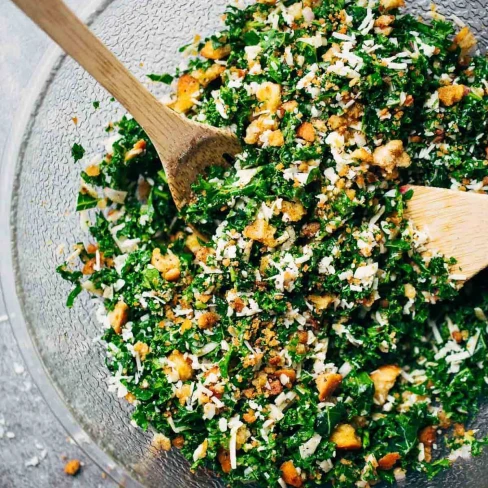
(62, 25)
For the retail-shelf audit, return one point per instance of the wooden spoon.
(456, 223)
(185, 147)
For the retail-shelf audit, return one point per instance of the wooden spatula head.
(457, 225)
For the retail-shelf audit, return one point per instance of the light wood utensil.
(456, 223)
(185, 148)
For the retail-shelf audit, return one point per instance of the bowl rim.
(10, 291)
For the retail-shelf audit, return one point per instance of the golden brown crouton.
(186, 92)
(118, 317)
(290, 474)
(336, 122)
(269, 94)
(207, 320)
(161, 442)
(276, 139)
(72, 467)
(182, 365)
(391, 4)
(211, 52)
(321, 302)
(142, 349)
(382, 24)
(261, 231)
(249, 417)
(363, 155)
(258, 127)
(130, 397)
(209, 75)
(193, 244)
(164, 263)
(183, 394)
(172, 275)
(178, 442)
(224, 459)
(452, 94)
(465, 40)
(294, 210)
(327, 383)
(289, 106)
(384, 378)
(428, 436)
(388, 461)
(345, 437)
(390, 156)
(306, 132)
(92, 170)
(410, 291)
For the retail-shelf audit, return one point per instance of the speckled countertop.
(33, 445)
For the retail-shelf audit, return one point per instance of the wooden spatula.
(456, 223)
(186, 148)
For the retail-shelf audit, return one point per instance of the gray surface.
(23, 411)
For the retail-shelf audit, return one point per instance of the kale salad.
(311, 339)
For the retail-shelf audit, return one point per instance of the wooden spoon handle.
(62, 25)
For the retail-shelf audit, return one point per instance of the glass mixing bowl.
(38, 188)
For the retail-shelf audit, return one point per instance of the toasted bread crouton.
(72, 467)
(391, 156)
(249, 417)
(258, 127)
(321, 302)
(289, 106)
(261, 231)
(183, 394)
(187, 91)
(427, 436)
(193, 244)
(388, 461)
(207, 320)
(161, 442)
(387, 5)
(384, 378)
(118, 317)
(209, 75)
(452, 94)
(363, 155)
(290, 474)
(211, 52)
(294, 211)
(382, 24)
(327, 383)
(224, 459)
(306, 132)
(142, 349)
(164, 263)
(336, 122)
(276, 138)
(173, 274)
(269, 94)
(182, 365)
(465, 40)
(345, 437)
(92, 170)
